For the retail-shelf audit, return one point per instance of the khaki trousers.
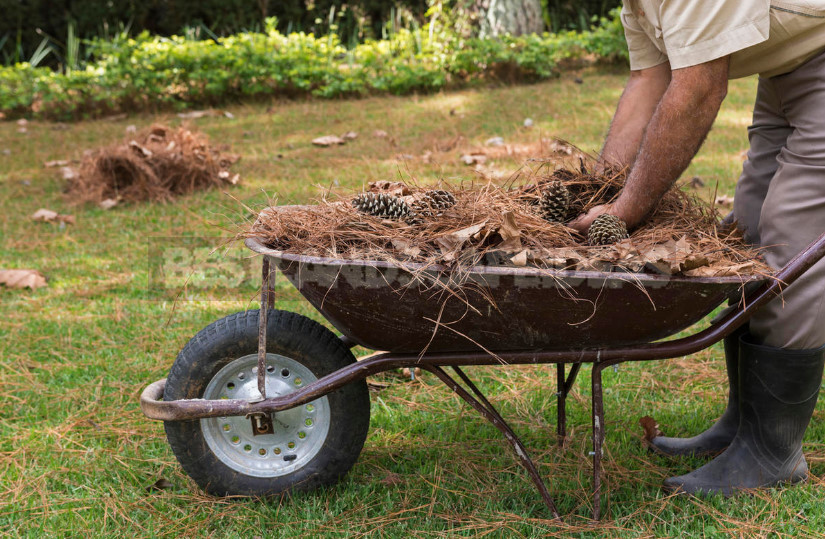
(780, 198)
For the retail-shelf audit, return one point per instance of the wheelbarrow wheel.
(309, 446)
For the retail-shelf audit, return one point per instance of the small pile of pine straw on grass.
(157, 165)
(492, 224)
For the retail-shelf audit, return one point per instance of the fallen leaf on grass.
(474, 159)
(22, 278)
(56, 163)
(49, 216)
(108, 204)
(160, 484)
(392, 479)
(380, 133)
(229, 178)
(724, 200)
(68, 173)
(195, 114)
(328, 140)
(651, 428)
(350, 135)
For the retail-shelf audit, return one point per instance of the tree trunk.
(515, 17)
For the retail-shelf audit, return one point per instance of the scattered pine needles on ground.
(157, 165)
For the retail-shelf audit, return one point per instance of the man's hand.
(582, 222)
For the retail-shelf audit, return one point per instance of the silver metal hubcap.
(298, 433)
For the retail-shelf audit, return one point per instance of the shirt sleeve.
(643, 51)
(695, 32)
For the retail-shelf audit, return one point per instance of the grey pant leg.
(793, 213)
(767, 135)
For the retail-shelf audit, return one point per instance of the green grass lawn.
(77, 455)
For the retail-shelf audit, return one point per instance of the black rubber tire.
(290, 335)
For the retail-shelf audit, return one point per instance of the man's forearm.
(641, 95)
(676, 131)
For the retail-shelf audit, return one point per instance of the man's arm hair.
(639, 100)
(676, 131)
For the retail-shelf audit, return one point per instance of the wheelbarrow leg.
(486, 409)
(564, 387)
(267, 301)
(598, 436)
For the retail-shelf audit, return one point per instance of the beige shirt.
(762, 36)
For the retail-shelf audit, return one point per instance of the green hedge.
(151, 73)
(24, 23)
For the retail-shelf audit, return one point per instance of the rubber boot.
(778, 391)
(719, 436)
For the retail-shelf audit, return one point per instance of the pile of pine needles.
(493, 224)
(157, 165)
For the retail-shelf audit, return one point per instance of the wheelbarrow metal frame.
(154, 407)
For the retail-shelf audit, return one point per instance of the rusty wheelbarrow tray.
(505, 316)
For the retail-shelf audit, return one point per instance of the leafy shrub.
(149, 72)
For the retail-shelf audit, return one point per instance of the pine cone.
(433, 203)
(606, 229)
(382, 205)
(555, 202)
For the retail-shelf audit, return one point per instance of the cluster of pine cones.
(556, 205)
(386, 206)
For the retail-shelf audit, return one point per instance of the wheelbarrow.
(265, 401)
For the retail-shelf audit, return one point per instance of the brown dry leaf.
(520, 260)
(474, 159)
(44, 215)
(49, 216)
(406, 372)
(22, 278)
(328, 140)
(195, 114)
(160, 484)
(651, 428)
(142, 150)
(453, 241)
(656, 258)
(108, 204)
(391, 479)
(56, 163)
(510, 233)
(561, 147)
(724, 200)
(722, 270)
(399, 189)
(68, 173)
(405, 248)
